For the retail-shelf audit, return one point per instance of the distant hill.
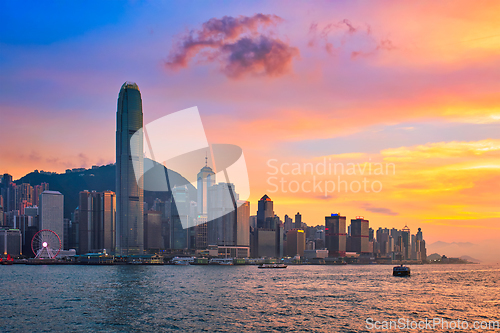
(434, 256)
(99, 179)
(470, 259)
(440, 244)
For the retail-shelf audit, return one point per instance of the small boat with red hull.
(7, 261)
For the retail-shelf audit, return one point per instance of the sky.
(408, 89)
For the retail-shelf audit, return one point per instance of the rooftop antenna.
(206, 158)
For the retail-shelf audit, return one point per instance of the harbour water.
(72, 298)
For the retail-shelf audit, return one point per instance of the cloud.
(239, 44)
(265, 55)
(347, 36)
(380, 210)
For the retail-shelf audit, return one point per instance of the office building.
(179, 236)
(222, 214)
(205, 180)
(288, 224)
(51, 211)
(298, 221)
(7, 190)
(129, 190)
(10, 241)
(265, 213)
(24, 197)
(360, 235)
(96, 222)
(243, 224)
(265, 243)
(37, 190)
(335, 235)
(153, 241)
(405, 244)
(295, 242)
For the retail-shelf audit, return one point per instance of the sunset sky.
(415, 84)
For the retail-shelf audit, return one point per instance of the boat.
(183, 261)
(272, 266)
(222, 261)
(401, 271)
(8, 261)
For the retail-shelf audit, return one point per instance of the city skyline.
(355, 88)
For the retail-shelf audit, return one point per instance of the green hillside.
(98, 179)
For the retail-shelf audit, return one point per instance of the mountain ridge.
(101, 178)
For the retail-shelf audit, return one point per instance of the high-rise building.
(288, 224)
(222, 215)
(129, 190)
(86, 214)
(205, 179)
(295, 242)
(335, 235)
(360, 230)
(38, 189)
(179, 236)
(243, 224)
(383, 241)
(24, 196)
(405, 245)
(253, 221)
(298, 221)
(96, 221)
(51, 212)
(264, 243)
(7, 191)
(10, 241)
(153, 240)
(419, 235)
(265, 213)
(108, 207)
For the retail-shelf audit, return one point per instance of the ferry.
(183, 261)
(272, 266)
(222, 261)
(401, 271)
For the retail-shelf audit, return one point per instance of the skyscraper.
(359, 235)
(129, 191)
(265, 213)
(8, 193)
(97, 221)
(335, 235)
(178, 215)
(295, 242)
(51, 212)
(298, 221)
(243, 232)
(288, 224)
(205, 179)
(222, 214)
(405, 245)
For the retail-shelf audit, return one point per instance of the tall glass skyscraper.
(129, 193)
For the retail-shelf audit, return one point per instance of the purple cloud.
(380, 210)
(239, 44)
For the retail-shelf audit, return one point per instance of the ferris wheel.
(46, 244)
